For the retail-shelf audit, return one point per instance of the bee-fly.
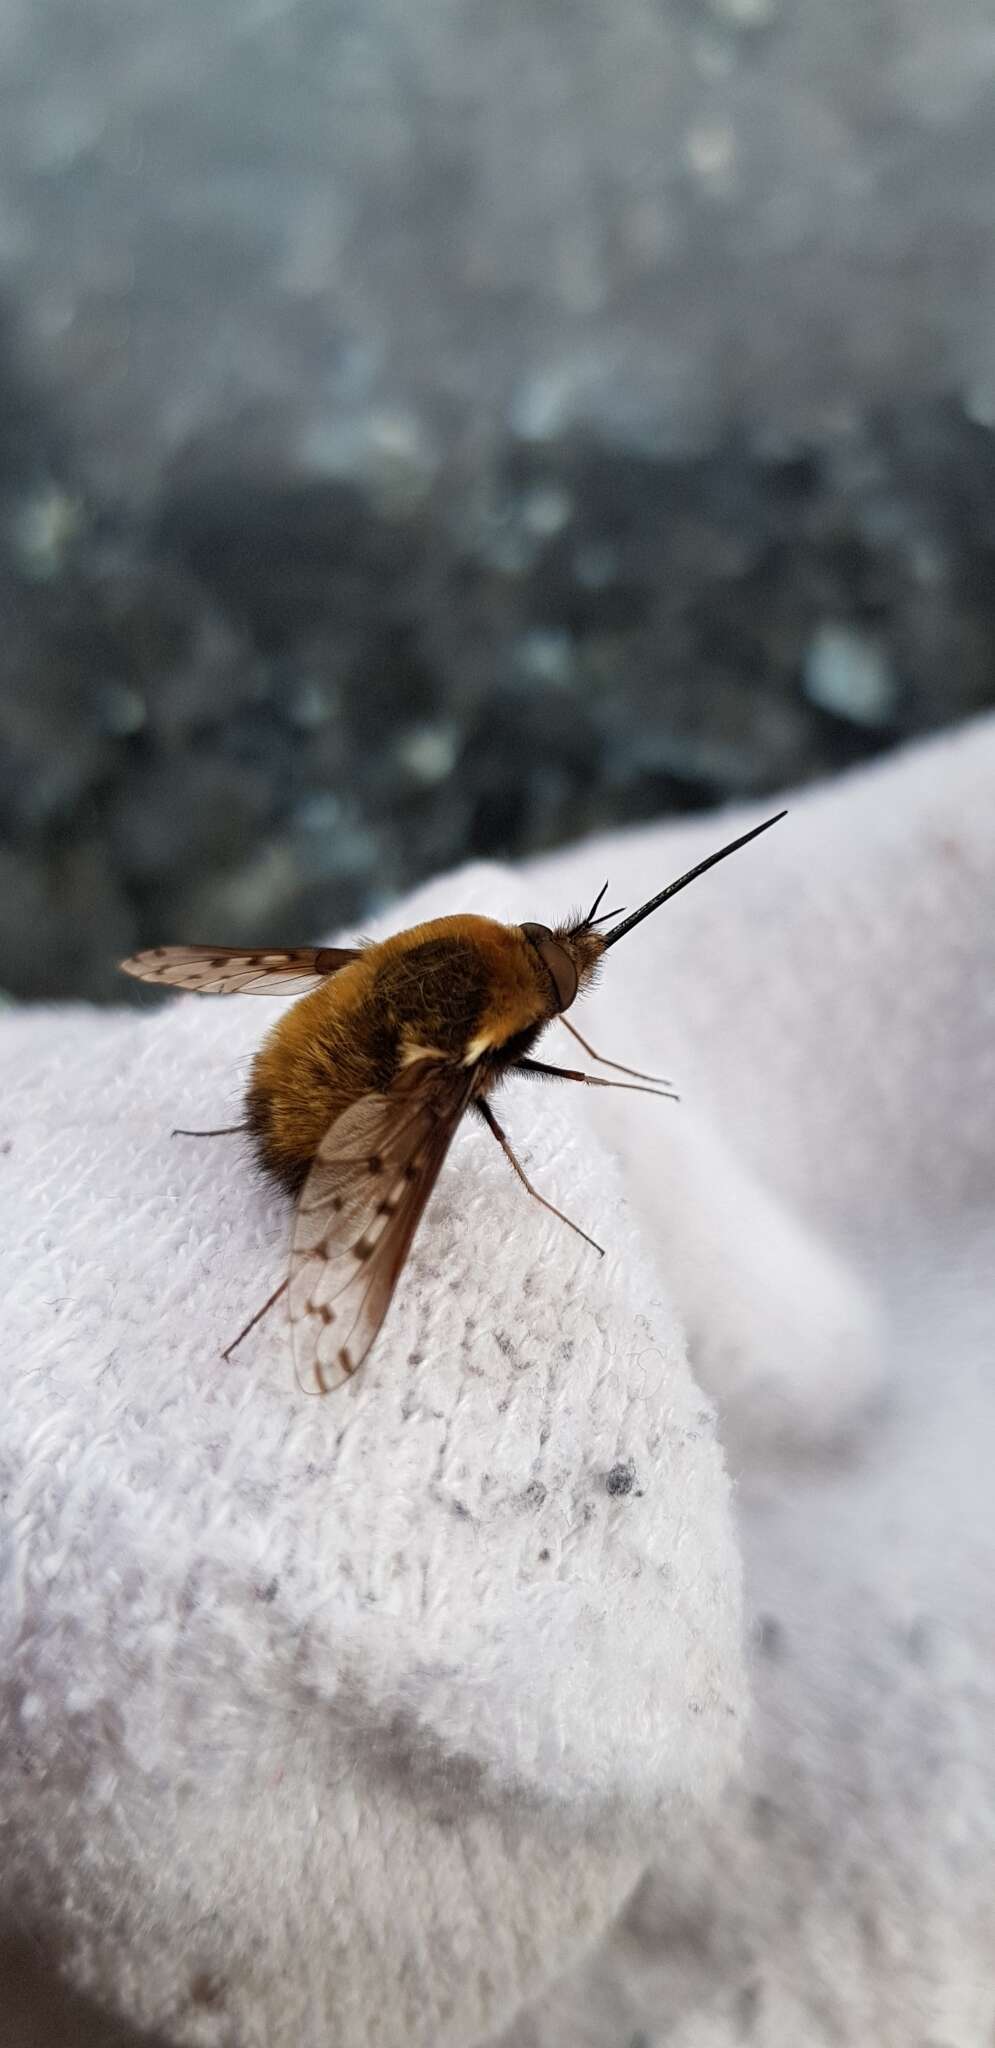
(356, 1093)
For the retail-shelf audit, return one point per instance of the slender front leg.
(546, 1073)
(226, 1131)
(484, 1109)
(659, 1079)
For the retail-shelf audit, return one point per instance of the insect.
(356, 1093)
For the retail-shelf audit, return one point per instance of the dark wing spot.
(363, 1248)
(375, 1163)
(320, 1377)
(346, 1362)
(337, 1202)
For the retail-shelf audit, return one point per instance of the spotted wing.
(357, 1215)
(231, 970)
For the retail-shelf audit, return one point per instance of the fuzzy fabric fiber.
(357, 1720)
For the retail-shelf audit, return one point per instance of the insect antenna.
(587, 924)
(692, 875)
(600, 897)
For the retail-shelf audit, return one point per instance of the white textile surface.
(845, 1896)
(356, 1720)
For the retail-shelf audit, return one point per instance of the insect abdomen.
(307, 1071)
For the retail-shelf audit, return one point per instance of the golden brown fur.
(360, 1088)
(458, 989)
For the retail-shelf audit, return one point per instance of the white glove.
(321, 1746)
(845, 1895)
(344, 1721)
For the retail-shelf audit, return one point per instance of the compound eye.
(557, 960)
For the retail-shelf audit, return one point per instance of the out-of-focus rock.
(443, 430)
(343, 232)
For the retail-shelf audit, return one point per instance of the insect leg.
(257, 1318)
(490, 1119)
(545, 1073)
(227, 1131)
(603, 1062)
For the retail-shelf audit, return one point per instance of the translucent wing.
(357, 1215)
(232, 970)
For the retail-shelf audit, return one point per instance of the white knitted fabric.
(347, 1720)
(846, 1898)
(342, 1721)
(847, 1893)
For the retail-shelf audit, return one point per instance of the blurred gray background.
(447, 428)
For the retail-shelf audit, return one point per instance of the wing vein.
(342, 1277)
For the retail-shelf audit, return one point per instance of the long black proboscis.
(691, 876)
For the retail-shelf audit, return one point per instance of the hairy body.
(460, 992)
(357, 1092)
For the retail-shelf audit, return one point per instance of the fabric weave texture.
(358, 1720)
